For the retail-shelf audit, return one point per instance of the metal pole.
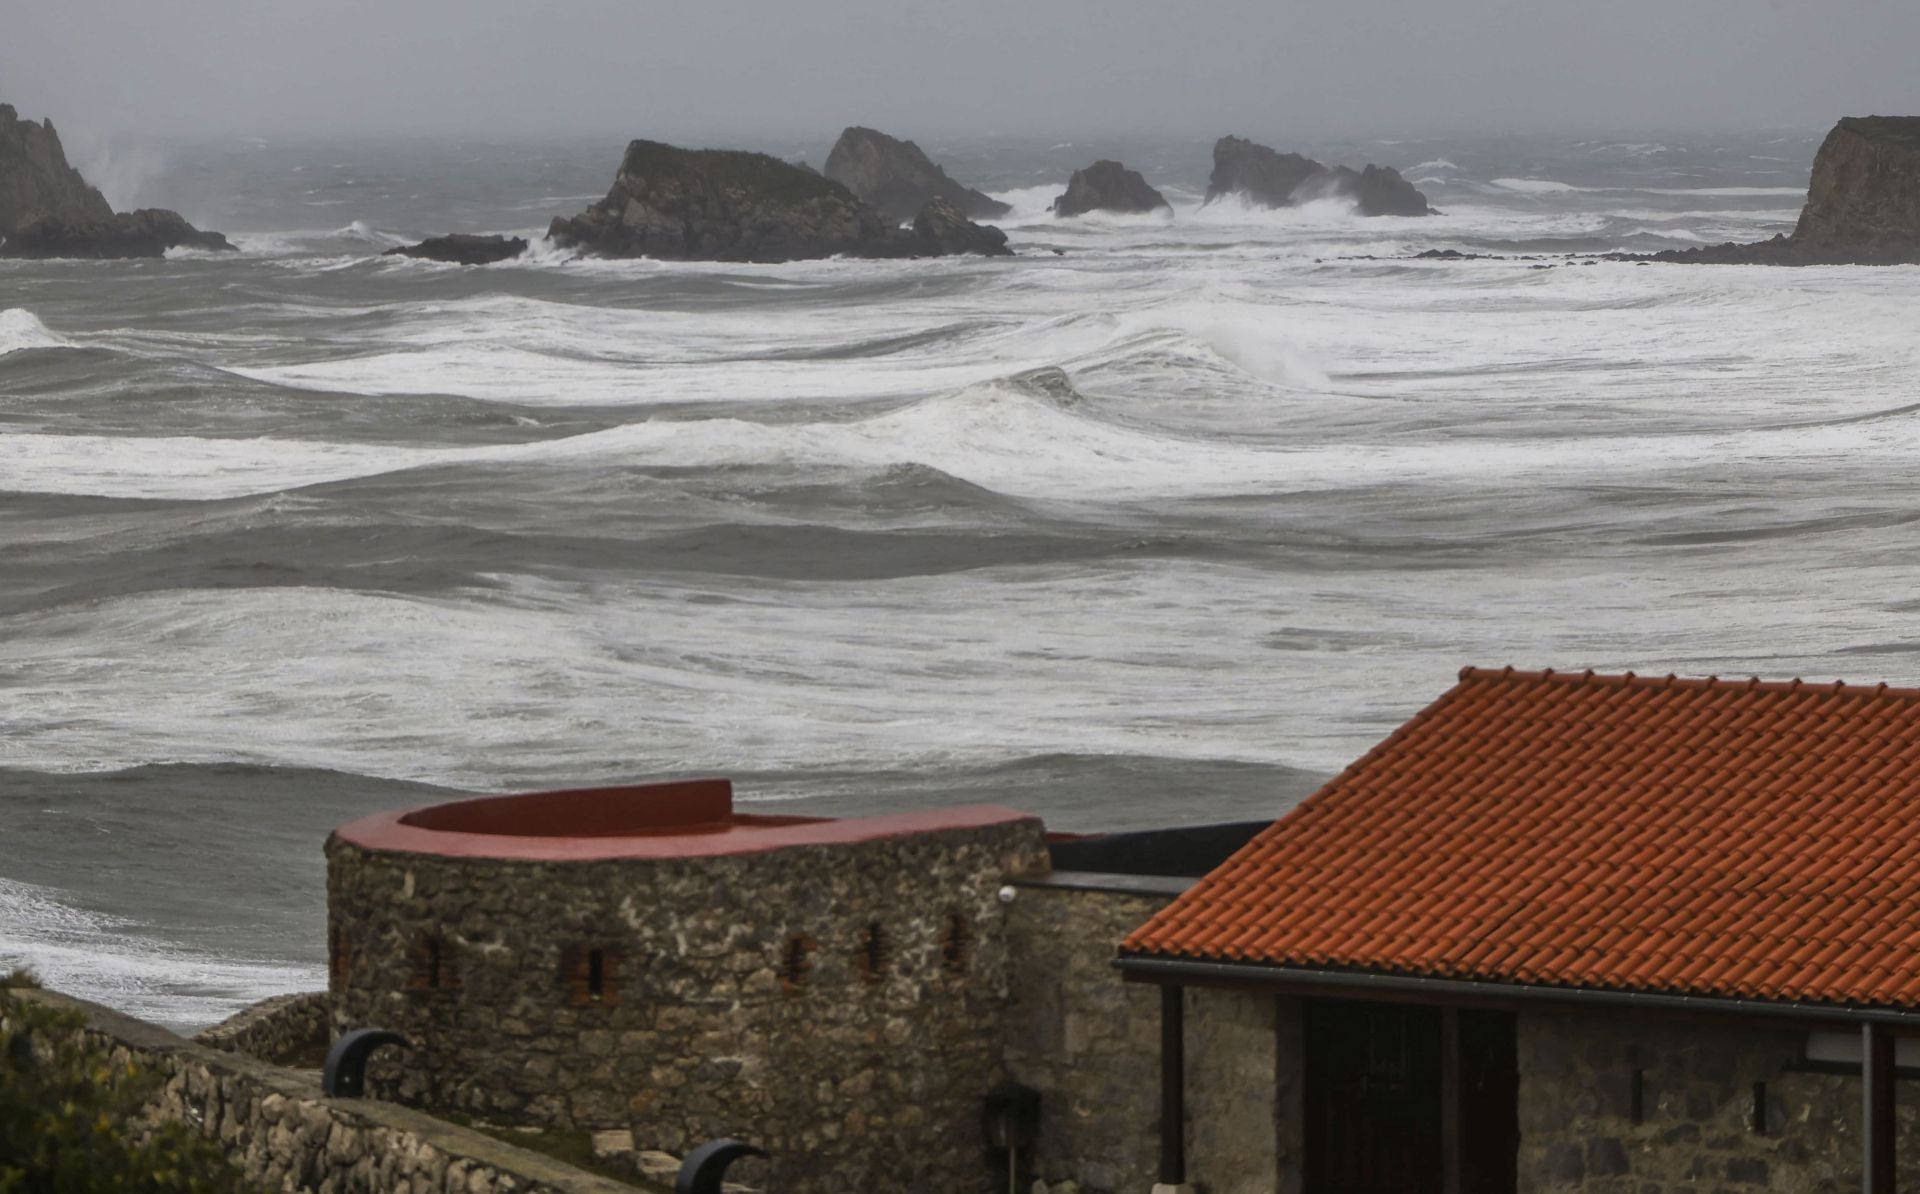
(1877, 1126)
(1173, 1086)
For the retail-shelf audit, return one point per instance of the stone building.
(648, 958)
(1558, 933)
(1572, 933)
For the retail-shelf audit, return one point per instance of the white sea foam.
(21, 328)
(128, 965)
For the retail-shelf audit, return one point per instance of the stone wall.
(276, 1126)
(286, 1028)
(1244, 1070)
(838, 1005)
(1090, 1044)
(1697, 1132)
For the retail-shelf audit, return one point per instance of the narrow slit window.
(590, 975)
(796, 961)
(433, 964)
(873, 953)
(1637, 1098)
(1758, 1120)
(956, 946)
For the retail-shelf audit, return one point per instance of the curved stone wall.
(837, 1002)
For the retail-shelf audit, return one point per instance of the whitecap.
(22, 329)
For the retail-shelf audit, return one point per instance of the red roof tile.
(1727, 838)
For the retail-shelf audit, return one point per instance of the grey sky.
(631, 67)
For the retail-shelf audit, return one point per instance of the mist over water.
(302, 533)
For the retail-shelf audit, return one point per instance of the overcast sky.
(634, 67)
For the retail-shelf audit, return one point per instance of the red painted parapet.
(680, 819)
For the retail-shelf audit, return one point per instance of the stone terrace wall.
(1696, 1134)
(276, 1030)
(285, 1136)
(1090, 1044)
(838, 1005)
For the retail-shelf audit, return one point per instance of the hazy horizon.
(745, 69)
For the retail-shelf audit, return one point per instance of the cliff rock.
(1108, 186)
(1863, 205)
(898, 178)
(1864, 196)
(730, 205)
(48, 210)
(461, 248)
(1271, 179)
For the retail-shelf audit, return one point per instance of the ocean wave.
(21, 329)
(1535, 186)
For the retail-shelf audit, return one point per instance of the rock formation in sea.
(1271, 179)
(940, 230)
(462, 248)
(1863, 204)
(731, 205)
(898, 178)
(1108, 186)
(48, 210)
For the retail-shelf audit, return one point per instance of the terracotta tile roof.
(1729, 838)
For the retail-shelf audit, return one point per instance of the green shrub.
(70, 1116)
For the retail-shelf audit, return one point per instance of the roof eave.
(1373, 985)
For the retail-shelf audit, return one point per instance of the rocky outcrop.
(1863, 205)
(1257, 174)
(149, 232)
(898, 178)
(941, 230)
(35, 180)
(1864, 197)
(48, 210)
(1380, 191)
(1108, 186)
(730, 205)
(1270, 179)
(461, 248)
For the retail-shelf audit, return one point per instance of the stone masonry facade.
(839, 1005)
(1090, 1044)
(1725, 1106)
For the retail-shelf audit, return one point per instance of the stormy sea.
(299, 533)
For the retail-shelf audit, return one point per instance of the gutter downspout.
(1173, 1087)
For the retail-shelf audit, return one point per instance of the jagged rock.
(48, 210)
(35, 179)
(149, 232)
(1108, 186)
(941, 229)
(730, 205)
(898, 178)
(462, 248)
(1271, 179)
